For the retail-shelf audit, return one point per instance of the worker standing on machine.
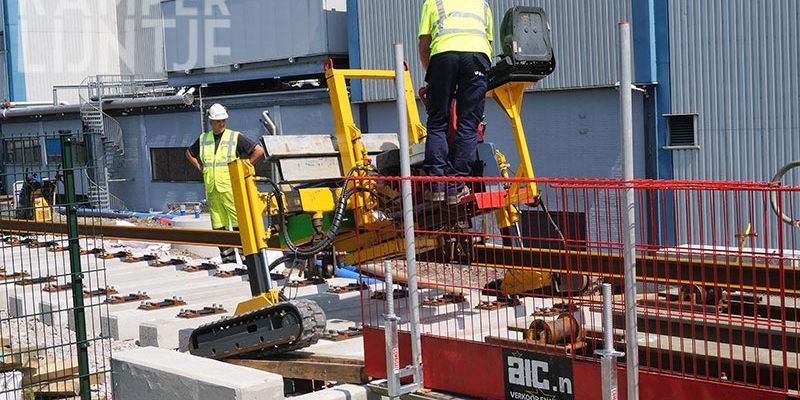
(210, 154)
(455, 49)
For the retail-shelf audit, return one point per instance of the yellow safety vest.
(215, 161)
(458, 25)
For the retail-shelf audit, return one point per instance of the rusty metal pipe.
(562, 330)
(401, 277)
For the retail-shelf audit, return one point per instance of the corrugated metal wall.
(66, 41)
(584, 33)
(141, 38)
(247, 31)
(581, 126)
(735, 64)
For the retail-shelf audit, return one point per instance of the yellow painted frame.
(509, 97)
(352, 152)
(250, 206)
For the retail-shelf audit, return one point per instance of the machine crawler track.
(283, 327)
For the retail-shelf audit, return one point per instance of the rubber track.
(312, 327)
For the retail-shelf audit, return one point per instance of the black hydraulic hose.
(306, 252)
(333, 231)
(280, 260)
(552, 222)
(773, 195)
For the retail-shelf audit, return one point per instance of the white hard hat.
(217, 112)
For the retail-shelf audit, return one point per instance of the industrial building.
(678, 136)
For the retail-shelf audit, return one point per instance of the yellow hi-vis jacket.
(457, 25)
(215, 162)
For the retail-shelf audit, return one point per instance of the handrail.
(114, 202)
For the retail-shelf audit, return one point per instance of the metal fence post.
(408, 213)
(392, 343)
(629, 213)
(394, 373)
(75, 265)
(608, 356)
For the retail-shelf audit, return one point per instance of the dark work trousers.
(462, 76)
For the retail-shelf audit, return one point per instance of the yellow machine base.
(263, 300)
(516, 281)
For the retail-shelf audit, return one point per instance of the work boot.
(437, 192)
(456, 192)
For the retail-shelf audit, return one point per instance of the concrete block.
(25, 300)
(346, 348)
(153, 374)
(164, 333)
(183, 339)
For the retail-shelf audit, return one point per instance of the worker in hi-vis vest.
(455, 46)
(211, 154)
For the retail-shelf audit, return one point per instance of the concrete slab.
(153, 374)
(124, 325)
(27, 300)
(341, 392)
(36, 262)
(98, 313)
(165, 285)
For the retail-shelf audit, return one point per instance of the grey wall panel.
(572, 134)
(735, 64)
(244, 31)
(141, 37)
(64, 42)
(585, 39)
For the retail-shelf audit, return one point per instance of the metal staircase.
(95, 92)
(107, 130)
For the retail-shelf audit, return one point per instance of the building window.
(682, 131)
(22, 151)
(170, 165)
(53, 150)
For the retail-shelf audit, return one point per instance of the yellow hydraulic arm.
(250, 208)
(509, 96)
